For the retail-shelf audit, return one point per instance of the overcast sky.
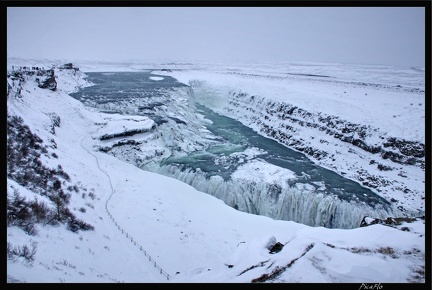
(388, 35)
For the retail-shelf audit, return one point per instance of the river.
(330, 196)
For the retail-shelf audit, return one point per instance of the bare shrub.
(14, 252)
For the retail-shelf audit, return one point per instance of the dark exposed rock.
(276, 248)
(119, 144)
(408, 148)
(151, 106)
(384, 167)
(67, 66)
(44, 78)
(361, 144)
(55, 122)
(177, 120)
(126, 133)
(366, 221)
(47, 80)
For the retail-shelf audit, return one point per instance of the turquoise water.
(238, 137)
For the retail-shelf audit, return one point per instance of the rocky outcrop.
(392, 222)
(276, 248)
(66, 66)
(126, 133)
(69, 66)
(46, 80)
(273, 246)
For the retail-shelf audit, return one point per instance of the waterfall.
(299, 203)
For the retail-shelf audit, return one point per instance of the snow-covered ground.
(152, 228)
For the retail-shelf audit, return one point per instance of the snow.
(148, 226)
(118, 124)
(263, 172)
(156, 78)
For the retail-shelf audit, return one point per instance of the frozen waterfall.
(300, 203)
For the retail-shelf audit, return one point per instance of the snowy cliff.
(368, 128)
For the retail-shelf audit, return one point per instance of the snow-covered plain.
(152, 228)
